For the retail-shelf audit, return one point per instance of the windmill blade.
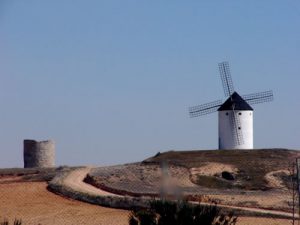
(260, 97)
(236, 127)
(226, 78)
(204, 109)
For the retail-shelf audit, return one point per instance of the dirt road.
(75, 181)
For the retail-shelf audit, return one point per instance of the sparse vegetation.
(172, 213)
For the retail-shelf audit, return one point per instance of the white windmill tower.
(235, 114)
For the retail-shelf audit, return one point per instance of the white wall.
(227, 136)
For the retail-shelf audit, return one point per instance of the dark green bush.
(172, 213)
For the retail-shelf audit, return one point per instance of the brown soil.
(262, 221)
(34, 204)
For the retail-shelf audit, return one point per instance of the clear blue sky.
(111, 80)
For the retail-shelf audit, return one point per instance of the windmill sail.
(204, 109)
(260, 97)
(226, 78)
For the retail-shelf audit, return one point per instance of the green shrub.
(172, 213)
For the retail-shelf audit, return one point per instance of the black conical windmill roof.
(237, 101)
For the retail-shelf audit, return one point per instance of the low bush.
(172, 213)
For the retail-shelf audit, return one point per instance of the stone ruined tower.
(39, 153)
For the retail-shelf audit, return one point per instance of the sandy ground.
(274, 181)
(34, 204)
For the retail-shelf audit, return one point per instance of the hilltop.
(251, 168)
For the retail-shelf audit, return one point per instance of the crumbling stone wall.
(39, 153)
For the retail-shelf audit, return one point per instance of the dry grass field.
(34, 204)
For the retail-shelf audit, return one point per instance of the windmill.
(235, 114)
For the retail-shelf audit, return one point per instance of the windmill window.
(239, 128)
(227, 114)
(240, 113)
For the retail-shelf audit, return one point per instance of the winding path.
(75, 181)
